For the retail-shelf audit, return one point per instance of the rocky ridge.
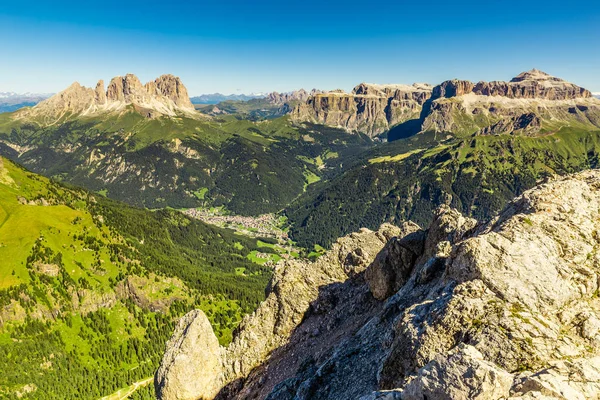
(294, 96)
(533, 102)
(506, 309)
(371, 109)
(295, 285)
(164, 96)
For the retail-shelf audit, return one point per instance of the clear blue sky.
(249, 46)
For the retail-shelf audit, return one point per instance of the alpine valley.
(376, 244)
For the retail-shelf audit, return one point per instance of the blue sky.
(251, 46)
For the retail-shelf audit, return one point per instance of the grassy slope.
(58, 244)
(249, 167)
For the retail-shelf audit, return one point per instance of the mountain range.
(215, 98)
(10, 101)
(530, 102)
(100, 275)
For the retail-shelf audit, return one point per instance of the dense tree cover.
(69, 328)
(477, 175)
(251, 168)
(204, 256)
(41, 355)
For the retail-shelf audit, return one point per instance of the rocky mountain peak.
(294, 96)
(171, 87)
(369, 108)
(165, 96)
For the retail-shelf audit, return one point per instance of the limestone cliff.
(290, 97)
(461, 310)
(370, 109)
(165, 96)
(531, 103)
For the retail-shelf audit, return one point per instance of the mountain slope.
(250, 167)
(532, 103)
(410, 178)
(497, 310)
(91, 287)
(370, 109)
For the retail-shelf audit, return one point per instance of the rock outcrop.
(192, 366)
(532, 84)
(505, 309)
(164, 96)
(290, 97)
(370, 109)
(294, 287)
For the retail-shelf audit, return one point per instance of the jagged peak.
(164, 96)
(73, 86)
(381, 89)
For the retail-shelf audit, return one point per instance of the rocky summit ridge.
(506, 309)
(164, 96)
(531, 102)
(369, 108)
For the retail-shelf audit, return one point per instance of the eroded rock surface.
(192, 366)
(370, 109)
(502, 310)
(532, 103)
(164, 96)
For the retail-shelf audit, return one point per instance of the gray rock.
(393, 265)
(192, 365)
(462, 374)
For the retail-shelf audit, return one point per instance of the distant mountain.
(596, 95)
(10, 101)
(218, 98)
(91, 284)
(146, 145)
(166, 96)
(473, 146)
(289, 97)
(371, 109)
(268, 106)
(532, 102)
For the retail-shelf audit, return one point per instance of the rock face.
(532, 84)
(505, 309)
(370, 109)
(164, 96)
(192, 366)
(291, 97)
(461, 374)
(531, 103)
(393, 265)
(295, 285)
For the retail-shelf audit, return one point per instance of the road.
(124, 393)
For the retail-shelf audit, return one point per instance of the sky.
(257, 46)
